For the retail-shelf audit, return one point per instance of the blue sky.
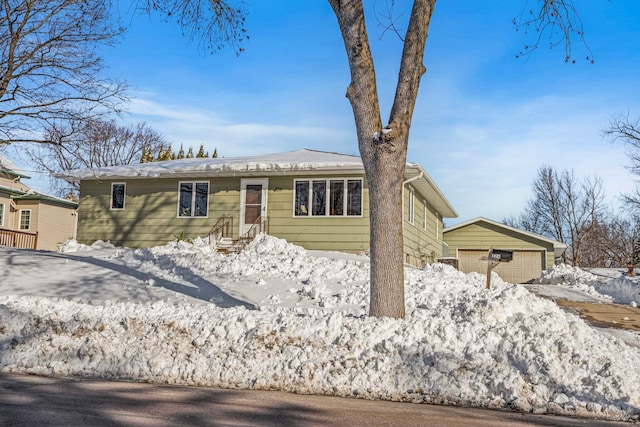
(484, 123)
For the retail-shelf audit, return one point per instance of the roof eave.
(429, 188)
(556, 244)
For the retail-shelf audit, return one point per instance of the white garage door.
(526, 265)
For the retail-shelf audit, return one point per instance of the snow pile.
(460, 344)
(619, 288)
(74, 246)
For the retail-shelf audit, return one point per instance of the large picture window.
(328, 197)
(193, 199)
(118, 190)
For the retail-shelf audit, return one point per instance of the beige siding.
(7, 214)
(525, 266)
(481, 236)
(55, 225)
(12, 184)
(54, 222)
(34, 207)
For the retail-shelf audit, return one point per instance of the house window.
(117, 195)
(25, 219)
(327, 197)
(1, 215)
(354, 197)
(424, 215)
(193, 199)
(411, 209)
(437, 225)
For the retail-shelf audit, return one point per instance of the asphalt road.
(32, 401)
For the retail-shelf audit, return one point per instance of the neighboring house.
(314, 199)
(29, 219)
(532, 253)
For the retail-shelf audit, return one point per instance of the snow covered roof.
(301, 162)
(35, 195)
(10, 167)
(558, 247)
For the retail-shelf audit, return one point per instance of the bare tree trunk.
(384, 150)
(385, 173)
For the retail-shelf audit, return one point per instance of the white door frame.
(242, 227)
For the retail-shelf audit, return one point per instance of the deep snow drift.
(278, 317)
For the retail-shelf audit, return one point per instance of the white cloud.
(484, 153)
(192, 126)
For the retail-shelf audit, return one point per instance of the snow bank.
(620, 288)
(73, 246)
(460, 344)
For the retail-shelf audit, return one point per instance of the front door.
(253, 205)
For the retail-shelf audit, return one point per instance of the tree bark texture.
(384, 149)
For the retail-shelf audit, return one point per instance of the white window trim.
(2, 214)
(344, 189)
(124, 197)
(412, 206)
(193, 199)
(437, 225)
(20, 219)
(424, 214)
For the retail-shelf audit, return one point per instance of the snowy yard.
(277, 317)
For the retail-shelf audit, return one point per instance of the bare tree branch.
(214, 23)
(49, 71)
(557, 22)
(564, 209)
(88, 144)
(627, 130)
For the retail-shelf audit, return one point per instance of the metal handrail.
(256, 227)
(222, 228)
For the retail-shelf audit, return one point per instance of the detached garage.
(532, 253)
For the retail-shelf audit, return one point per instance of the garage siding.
(471, 241)
(526, 264)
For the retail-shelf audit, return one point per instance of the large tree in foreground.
(383, 145)
(49, 69)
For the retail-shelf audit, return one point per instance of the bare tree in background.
(614, 243)
(564, 209)
(383, 146)
(49, 69)
(93, 144)
(627, 130)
